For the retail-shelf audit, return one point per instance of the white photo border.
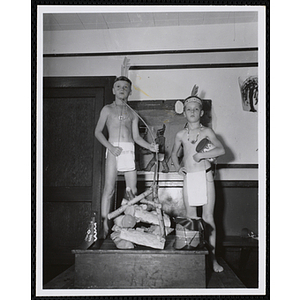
(261, 290)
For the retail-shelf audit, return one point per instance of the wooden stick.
(159, 213)
(156, 205)
(155, 199)
(122, 208)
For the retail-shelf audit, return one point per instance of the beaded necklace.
(188, 135)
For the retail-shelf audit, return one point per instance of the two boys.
(122, 125)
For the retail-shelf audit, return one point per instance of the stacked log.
(136, 225)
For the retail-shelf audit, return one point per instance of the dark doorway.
(73, 161)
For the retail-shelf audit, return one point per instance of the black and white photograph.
(151, 150)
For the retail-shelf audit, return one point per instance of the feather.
(194, 90)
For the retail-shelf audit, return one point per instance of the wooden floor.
(225, 279)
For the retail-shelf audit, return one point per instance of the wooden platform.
(171, 261)
(142, 267)
(226, 279)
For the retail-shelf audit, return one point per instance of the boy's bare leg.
(108, 191)
(191, 211)
(131, 180)
(208, 217)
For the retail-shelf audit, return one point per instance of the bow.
(155, 176)
(154, 185)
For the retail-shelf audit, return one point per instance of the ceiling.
(83, 21)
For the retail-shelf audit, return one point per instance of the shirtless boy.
(198, 187)
(122, 126)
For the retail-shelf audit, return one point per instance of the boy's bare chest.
(118, 117)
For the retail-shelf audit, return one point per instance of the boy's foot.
(217, 268)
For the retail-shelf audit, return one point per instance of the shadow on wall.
(228, 156)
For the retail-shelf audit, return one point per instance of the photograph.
(151, 150)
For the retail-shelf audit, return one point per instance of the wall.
(102, 52)
(237, 129)
(152, 38)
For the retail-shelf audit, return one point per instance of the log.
(150, 217)
(126, 221)
(155, 229)
(129, 210)
(121, 244)
(154, 204)
(142, 238)
(135, 200)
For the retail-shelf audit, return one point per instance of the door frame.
(105, 83)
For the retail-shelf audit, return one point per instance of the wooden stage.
(105, 266)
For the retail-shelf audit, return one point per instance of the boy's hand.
(116, 151)
(154, 147)
(182, 171)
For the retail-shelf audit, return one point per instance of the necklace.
(197, 136)
(123, 115)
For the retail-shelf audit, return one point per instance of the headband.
(192, 99)
(123, 78)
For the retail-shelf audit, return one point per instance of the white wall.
(152, 38)
(137, 39)
(237, 129)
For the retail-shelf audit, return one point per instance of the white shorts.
(126, 160)
(196, 188)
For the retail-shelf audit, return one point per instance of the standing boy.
(123, 131)
(198, 189)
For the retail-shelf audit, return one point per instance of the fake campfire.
(140, 221)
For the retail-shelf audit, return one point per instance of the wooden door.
(73, 162)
